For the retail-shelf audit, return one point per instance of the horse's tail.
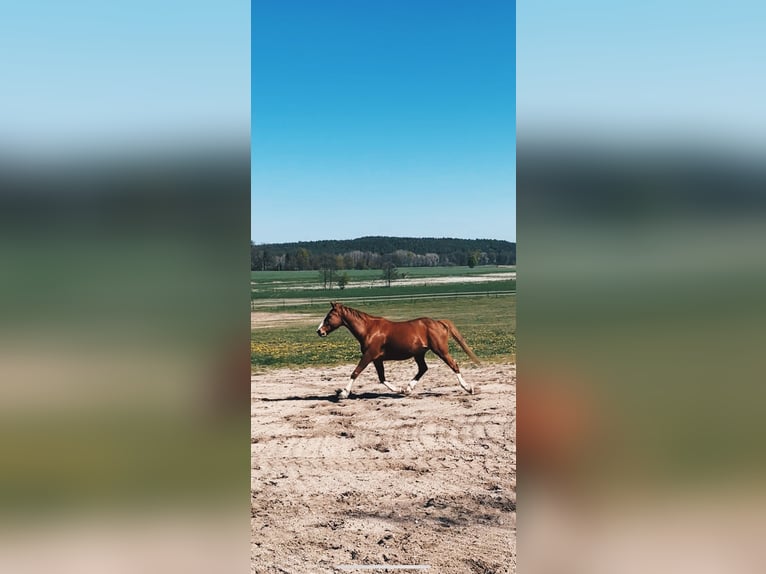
(460, 341)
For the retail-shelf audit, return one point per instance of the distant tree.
(373, 252)
(472, 260)
(327, 271)
(343, 281)
(325, 277)
(265, 260)
(431, 259)
(402, 257)
(390, 273)
(459, 257)
(302, 258)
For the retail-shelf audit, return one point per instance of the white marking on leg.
(463, 384)
(391, 388)
(410, 386)
(344, 393)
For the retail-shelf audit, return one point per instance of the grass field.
(261, 278)
(484, 312)
(488, 323)
(275, 285)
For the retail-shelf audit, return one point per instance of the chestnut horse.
(384, 340)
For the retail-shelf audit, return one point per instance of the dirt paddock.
(380, 478)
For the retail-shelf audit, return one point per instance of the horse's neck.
(356, 322)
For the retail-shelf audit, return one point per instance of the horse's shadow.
(333, 398)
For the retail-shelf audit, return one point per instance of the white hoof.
(342, 393)
(466, 388)
(392, 388)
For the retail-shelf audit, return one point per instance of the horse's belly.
(397, 355)
(401, 350)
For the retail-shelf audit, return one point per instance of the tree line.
(380, 253)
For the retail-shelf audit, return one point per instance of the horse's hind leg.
(382, 376)
(422, 368)
(442, 351)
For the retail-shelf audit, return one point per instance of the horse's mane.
(359, 314)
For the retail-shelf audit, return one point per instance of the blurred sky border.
(654, 71)
(383, 118)
(99, 76)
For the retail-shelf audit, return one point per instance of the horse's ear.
(333, 304)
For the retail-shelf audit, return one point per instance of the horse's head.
(332, 321)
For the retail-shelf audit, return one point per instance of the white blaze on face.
(320, 324)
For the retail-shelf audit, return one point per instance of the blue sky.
(383, 118)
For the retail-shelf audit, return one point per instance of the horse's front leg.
(382, 376)
(367, 358)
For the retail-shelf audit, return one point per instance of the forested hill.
(372, 252)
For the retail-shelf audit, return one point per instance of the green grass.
(312, 277)
(303, 284)
(350, 292)
(487, 323)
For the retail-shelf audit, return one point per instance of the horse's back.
(422, 325)
(402, 339)
(417, 333)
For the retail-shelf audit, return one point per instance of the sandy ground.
(265, 320)
(379, 478)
